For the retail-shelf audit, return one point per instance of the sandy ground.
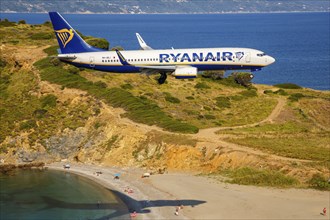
(203, 198)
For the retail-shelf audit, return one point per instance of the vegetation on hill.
(139, 109)
(37, 114)
(259, 177)
(288, 86)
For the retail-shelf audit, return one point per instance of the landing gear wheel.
(162, 78)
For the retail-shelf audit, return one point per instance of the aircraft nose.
(270, 60)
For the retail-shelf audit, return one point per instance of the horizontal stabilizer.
(66, 57)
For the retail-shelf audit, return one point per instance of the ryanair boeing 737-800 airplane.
(182, 63)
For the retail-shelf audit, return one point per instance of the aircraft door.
(91, 62)
(248, 57)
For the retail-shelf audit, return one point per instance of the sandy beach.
(158, 196)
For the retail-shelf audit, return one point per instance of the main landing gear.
(162, 78)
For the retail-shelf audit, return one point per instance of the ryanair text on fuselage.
(202, 57)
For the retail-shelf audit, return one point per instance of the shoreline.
(136, 201)
(158, 196)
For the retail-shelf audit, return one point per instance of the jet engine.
(186, 72)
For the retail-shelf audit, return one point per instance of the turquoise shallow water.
(35, 194)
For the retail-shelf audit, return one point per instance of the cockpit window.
(261, 54)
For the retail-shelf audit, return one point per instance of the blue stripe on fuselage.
(133, 69)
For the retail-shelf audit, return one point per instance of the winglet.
(122, 59)
(142, 43)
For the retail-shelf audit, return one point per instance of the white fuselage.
(201, 58)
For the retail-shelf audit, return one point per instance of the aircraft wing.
(165, 68)
(142, 43)
(148, 68)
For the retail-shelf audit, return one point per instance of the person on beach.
(324, 211)
(177, 210)
(133, 215)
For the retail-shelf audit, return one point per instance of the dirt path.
(211, 132)
(207, 136)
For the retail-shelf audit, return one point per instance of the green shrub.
(55, 62)
(215, 75)
(190, 97)
(6, 23)
(109, 144)
(4, 83)
(42, 36)
(281, 92)
(14, 42)
(170, 98)
(52, 50)
(229, 81)
(243, 78)
(39, 113)
(190, 112)
(29, 124)
(98, 42)
(48, 101)
(288, 86)
(101, 84)
(209, 117)
(295, 97)
(128, 86)
(268, 91)
(21, 22)
(73, 69)
(278, 92)
(252, 176)
(201, 85)
(207, 108)
(319, 182)
(223, 102)
(48, 24)
(3, 63)
(249, 93)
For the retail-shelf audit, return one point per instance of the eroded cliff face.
(106, 138)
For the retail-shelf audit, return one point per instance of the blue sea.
(48, 194)
(300, 42)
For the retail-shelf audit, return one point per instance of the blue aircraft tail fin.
(67, 37)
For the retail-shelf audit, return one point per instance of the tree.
(243, 78)
(215, 75)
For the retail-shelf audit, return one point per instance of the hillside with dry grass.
(261, 135)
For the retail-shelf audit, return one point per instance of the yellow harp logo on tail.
(65, 36)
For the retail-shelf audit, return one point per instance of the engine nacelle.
(185, 72)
